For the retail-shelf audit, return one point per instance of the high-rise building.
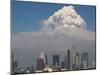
(56, 60)
(84, 60)
(40, 64)
(68, 59)
(62, 64)
(44, 57)
(77, 61)
(73, 62)
(65, 60)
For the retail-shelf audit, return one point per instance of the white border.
(85, 2)
(5, 36)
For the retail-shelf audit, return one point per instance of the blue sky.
(26, 16)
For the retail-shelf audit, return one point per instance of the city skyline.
(81, 62)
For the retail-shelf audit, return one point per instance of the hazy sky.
(51, 28)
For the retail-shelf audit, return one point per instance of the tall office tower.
(68, 59)
(73, 62)
(44, 57)
(65, 60)
(62, 64)
(77, 61)
(40, 64)
(56, 60)
(84, 60)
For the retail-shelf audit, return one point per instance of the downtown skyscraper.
(56, 59)
(84, 60)
(68, 59)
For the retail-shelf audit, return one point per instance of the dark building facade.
(63, 65)
(46, 59)
(68, 59)
(65, 59)
(56, 60)
(40, 64)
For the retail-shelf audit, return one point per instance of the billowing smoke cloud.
(63, 19)
(68, 22)
(62, 30)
